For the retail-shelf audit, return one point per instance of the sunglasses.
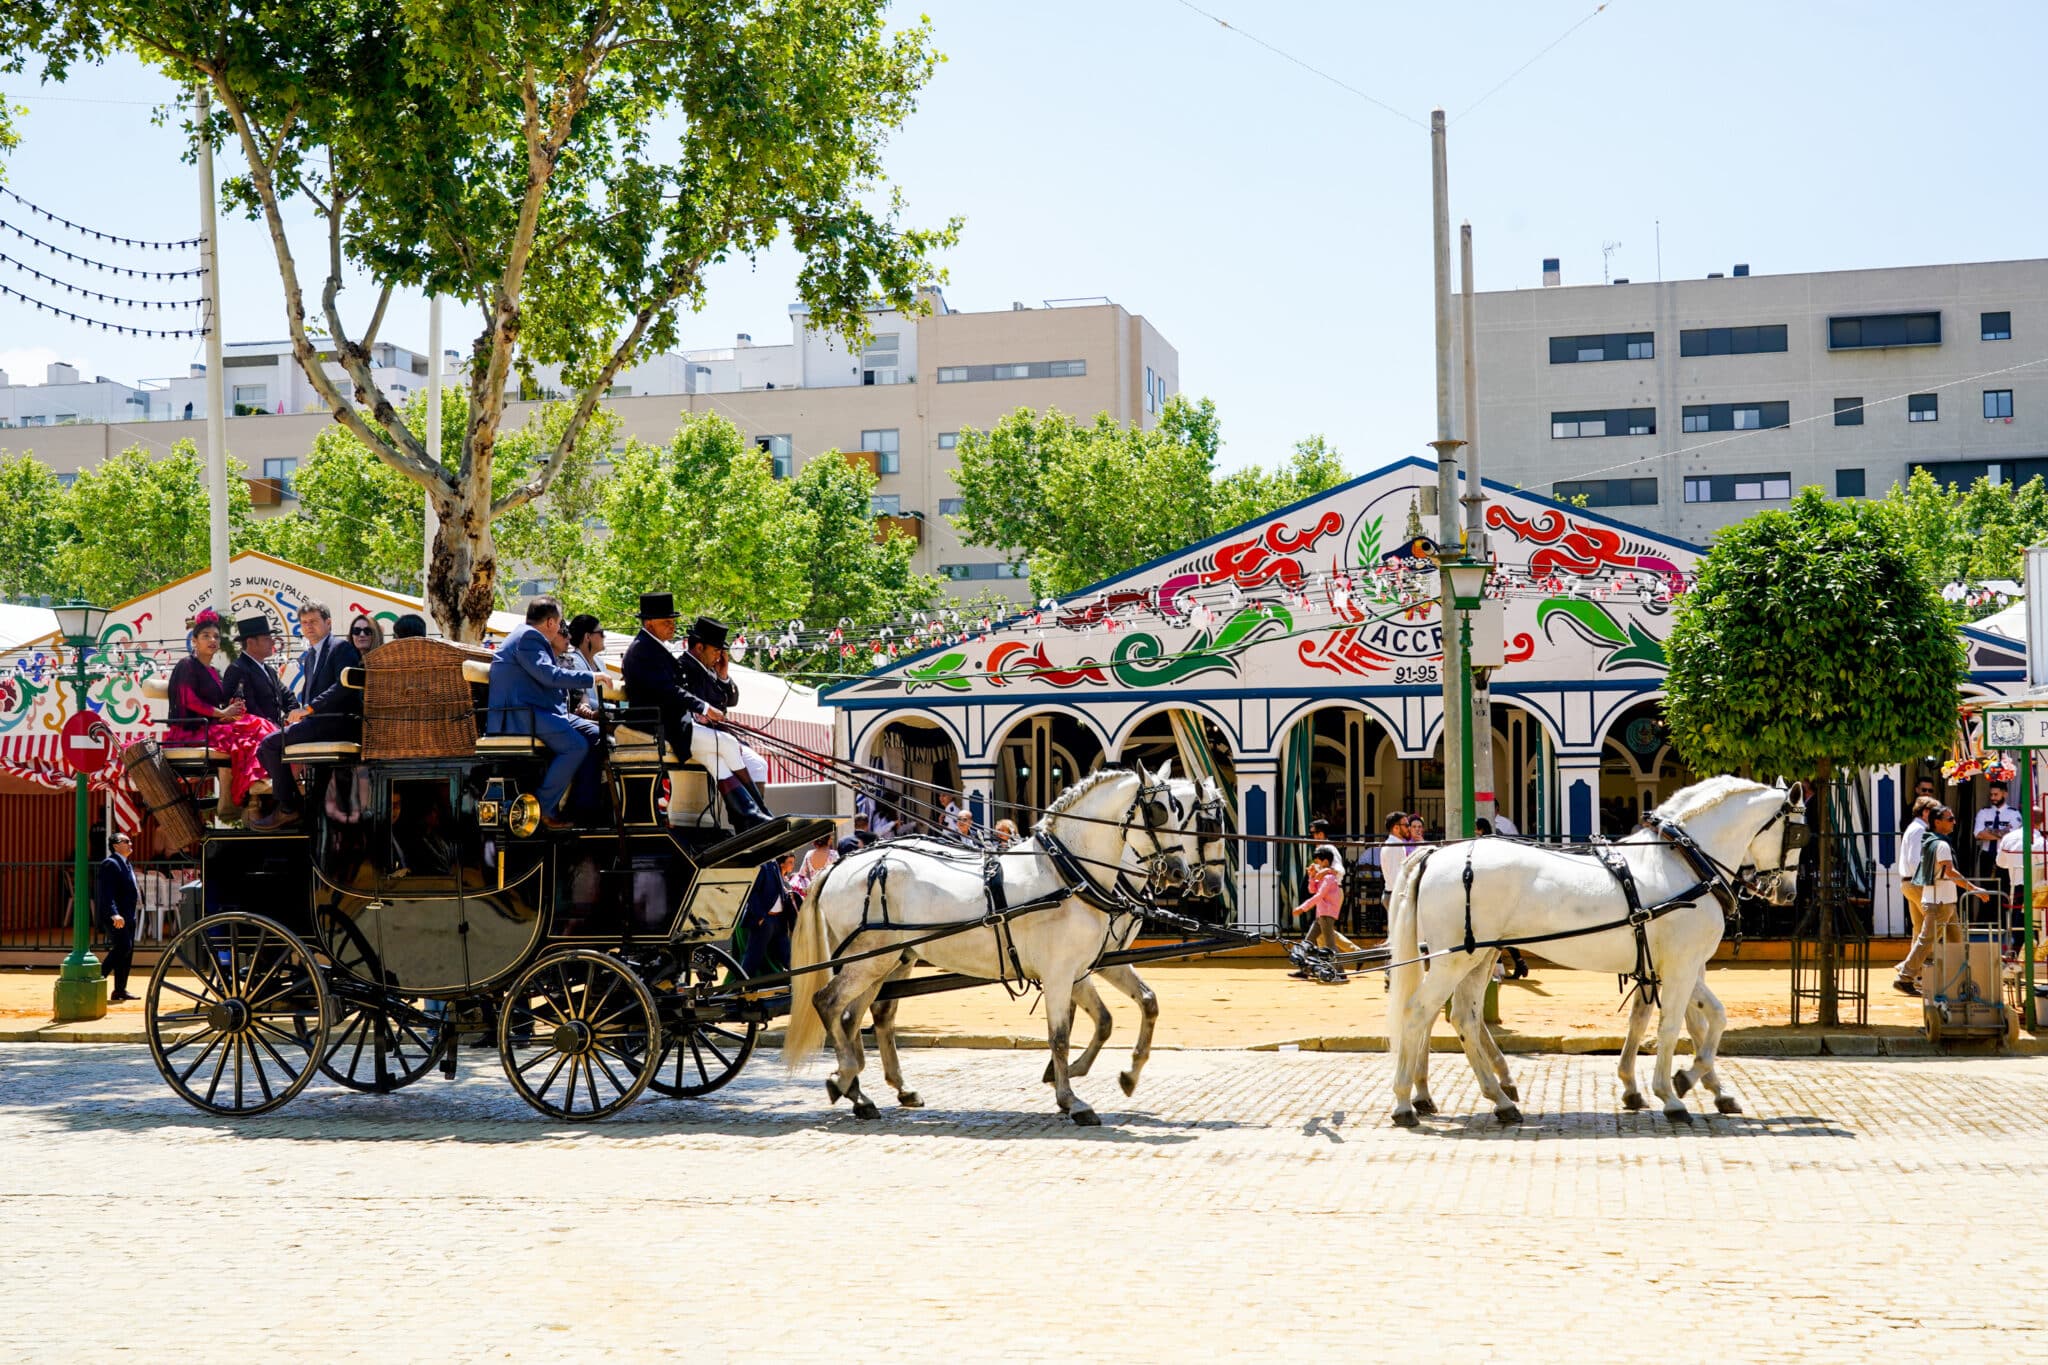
(361, 630)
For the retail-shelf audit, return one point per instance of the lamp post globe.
(81, 991)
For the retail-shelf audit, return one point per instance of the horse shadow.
(1647, 1125)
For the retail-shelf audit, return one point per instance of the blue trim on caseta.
(1580, 801)
(1254, 826)
(1079, 698)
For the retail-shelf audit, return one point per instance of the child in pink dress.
(1325, 898)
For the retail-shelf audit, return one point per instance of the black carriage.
(422, 901)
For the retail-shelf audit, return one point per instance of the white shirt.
(1999, 818)
(2010, 856)
(1943, 891)
(1503, 825)
(1393, 853)
(1909, 849)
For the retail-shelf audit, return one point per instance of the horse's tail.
(1403, 942)
(807, 948)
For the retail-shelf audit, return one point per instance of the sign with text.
(2026, 729)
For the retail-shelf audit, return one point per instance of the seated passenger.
(333, 717)
(250, 678)
(202, 712)
(586, 638)
(530, 696)
(692, 692)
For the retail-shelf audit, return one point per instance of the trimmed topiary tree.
(1813, 641)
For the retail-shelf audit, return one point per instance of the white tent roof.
(764, 697)
(19, 624)
(2011, 622)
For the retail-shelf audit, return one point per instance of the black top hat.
(657, 606)
(705, 631)
(250, 627)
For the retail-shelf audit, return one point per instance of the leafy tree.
(33, 529)
(1970, 534)
(853, 573)
(1813, 640)
(141, 520)
(507, 156)
(553, 536)
(1084, 501)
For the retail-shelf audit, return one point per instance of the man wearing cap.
(250, 678)
(696, 686)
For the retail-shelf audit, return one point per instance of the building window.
(1610, 422)
(1923, 407)
(961, 573)
(280, 472)
(64, 480)
(250, 399)
(1848, 412)
(1998, 405)
(1033, 369)
(781, 456)
(1605, 346)
(1732, 340)
(1607, 492)
(951, 507)
(1884, 329)
(885, 444)
(1996, 326)
(1738, 487)
(1737, 416)
(886, 505)
(878, 362)
(949, 440)
(1848, 483)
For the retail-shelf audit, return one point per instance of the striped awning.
(39, 761)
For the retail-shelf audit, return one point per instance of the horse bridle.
(1150, 807)
(1734, 881)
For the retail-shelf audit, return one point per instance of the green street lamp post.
(81, 991)
(1467, 578)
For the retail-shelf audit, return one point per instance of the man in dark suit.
(688, 689)
(530, 696)
(119, 898)
(250, 677)
(326, 654)
(333, 716)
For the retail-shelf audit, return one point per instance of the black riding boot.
(742, 808)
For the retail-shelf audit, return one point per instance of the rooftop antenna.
(1607, 250)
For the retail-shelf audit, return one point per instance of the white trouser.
(757, 766)
(718, 750)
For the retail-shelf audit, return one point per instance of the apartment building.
(902, 400)
(1686, 405)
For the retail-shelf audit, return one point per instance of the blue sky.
(1273, 226)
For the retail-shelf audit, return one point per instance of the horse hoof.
(1728, 1104)
(1405, 1118)
(1508, 1088)
(1679, 1115)
(865, 1109)
(1681, 1081)
(832, 1089)
(1128, 1082)
(909, 1099)
(1086, 1118)
(1634, 1100)
(1507, 1115)
(1424, 1105)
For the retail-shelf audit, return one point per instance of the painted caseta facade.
(1328, 606)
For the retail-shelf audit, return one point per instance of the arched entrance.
(1638, 768)
(1039, 758)
(923, 753)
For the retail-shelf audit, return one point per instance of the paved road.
(1241, 1203)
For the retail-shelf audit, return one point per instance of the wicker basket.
(177, 815)
(416, 703)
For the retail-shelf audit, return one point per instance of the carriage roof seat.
(338, 752)
(633, 748)
(510, 746)
(416, 700)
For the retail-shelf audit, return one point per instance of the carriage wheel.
(576, 1032)
(701, 1057)
(245, 1034)
(379, 1041)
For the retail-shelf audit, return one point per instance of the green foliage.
(852, 574)
(1972, 534)
(33, 529)
(1813, 639)
(1082, 501)
(553, 536)
(569, 171)
(141, 521)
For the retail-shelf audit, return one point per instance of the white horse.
(1117, 828)
(1520, 891)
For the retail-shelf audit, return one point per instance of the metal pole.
(433, 522)
(2027, 1013)
(81, 992)
(216, 414)
(1480, 727)
(1455, 674)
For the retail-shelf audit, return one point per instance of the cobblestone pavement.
(1240, 1203)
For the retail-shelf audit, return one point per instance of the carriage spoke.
(597, 1057)
(256, 1065)
(171, 985)
(204, 1053)
(590, 1082)
(697, 1054)
(289, 1070)
(594, 1009)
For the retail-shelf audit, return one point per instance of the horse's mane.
(1702, 797)
(1069, 798)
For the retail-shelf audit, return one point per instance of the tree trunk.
(1824, 905)
(462, 584)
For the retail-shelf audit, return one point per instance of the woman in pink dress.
(202, 713)
(1326, 898)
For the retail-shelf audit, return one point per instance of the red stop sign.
(88, 743)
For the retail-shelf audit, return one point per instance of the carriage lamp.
(1467, 578)
(492, 802)
(524, 816)
(81, 991)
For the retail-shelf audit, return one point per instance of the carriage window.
(423, 842)
(601, 892)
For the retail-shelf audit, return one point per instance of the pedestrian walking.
(1941, 888)
(1908, 865)
(1325, 899)
(119, 898)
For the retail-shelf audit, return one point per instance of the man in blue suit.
(119, 897)
(530, 696)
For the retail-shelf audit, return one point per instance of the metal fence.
(35, 904)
